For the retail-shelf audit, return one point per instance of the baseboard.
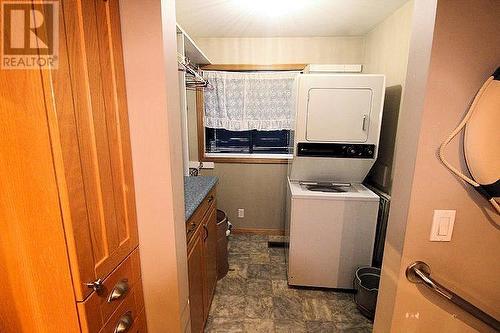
(257, 231)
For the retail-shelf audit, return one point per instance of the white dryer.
(331, 217)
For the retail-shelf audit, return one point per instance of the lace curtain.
(239, 101)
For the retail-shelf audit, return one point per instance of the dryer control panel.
(336, 150)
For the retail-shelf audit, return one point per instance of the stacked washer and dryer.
(331, 216)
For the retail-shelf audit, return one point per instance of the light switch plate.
(442, 225)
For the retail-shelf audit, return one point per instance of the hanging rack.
(195, 79)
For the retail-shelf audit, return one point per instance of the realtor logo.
(30, 32)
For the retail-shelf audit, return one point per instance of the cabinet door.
(210, 256)
(99, 145)
(196, 283)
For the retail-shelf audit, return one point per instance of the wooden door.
(95, 143)
(210, 256)
(196, 282)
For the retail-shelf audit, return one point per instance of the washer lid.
(354, 192)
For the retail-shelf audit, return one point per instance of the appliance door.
(338, 114)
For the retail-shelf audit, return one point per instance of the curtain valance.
(240, 101)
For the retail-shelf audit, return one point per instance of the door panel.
(196, 283)
(210, 256)
(96, 65)
(338, 114)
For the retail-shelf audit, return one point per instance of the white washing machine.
(330, 234)
(331, 217)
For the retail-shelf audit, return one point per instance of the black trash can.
(366, 283)
(222, 259)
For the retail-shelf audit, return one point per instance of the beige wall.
(149, 43)
(465, 52)
(259, 188)
(319, 50)
(386, 51)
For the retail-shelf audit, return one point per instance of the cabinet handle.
(192, 226)
(119, 290)
(211, 198)
(124, 323)
(206, 232)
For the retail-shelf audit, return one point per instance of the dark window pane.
(271, 142)
(224, 141)
(247, 142)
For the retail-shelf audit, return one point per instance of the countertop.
(195, 190)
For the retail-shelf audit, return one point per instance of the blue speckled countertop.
(195, 190)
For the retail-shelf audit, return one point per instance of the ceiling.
(282, 18)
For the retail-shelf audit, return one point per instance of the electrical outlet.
(241, 213)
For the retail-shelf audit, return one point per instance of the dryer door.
(338, 114)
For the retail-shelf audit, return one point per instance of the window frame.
(203, 156)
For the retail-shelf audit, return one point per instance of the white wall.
(386, 52)
(319, 50)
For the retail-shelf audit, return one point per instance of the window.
(222, 141)
(246, 114)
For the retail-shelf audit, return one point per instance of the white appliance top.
(354, 192)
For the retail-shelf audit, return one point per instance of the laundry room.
(295, 115)
(249, 166)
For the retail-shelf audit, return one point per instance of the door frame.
(408, 132)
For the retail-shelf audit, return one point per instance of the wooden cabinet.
(210, 256)
(73, 119)
(99, 168)
(196, 282)
(202, 261)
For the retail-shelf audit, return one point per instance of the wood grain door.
(210, 256)
(196, 281)
(95, 142)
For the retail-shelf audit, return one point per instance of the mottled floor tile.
(240, 258)
(259, 271)
(289, 326)
(258, 326)
(225, 325)
(277, 251)
(280, 287)
(321, 327)
(229, 306)
(287, 307)
(278, 272)
(255, 296)
(259, 307)
(260, 258)
(350, 328)
(238, 270)
(230, 285)
(316, 309)
(277, 259)
(247, 247)
(259, 288)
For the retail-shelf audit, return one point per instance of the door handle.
(206, 232)
(119, 290)
(124, 323)
(363, 126)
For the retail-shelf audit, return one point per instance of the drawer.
(195, 220)
(125, 317)
(122, 284)
(139, 325)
